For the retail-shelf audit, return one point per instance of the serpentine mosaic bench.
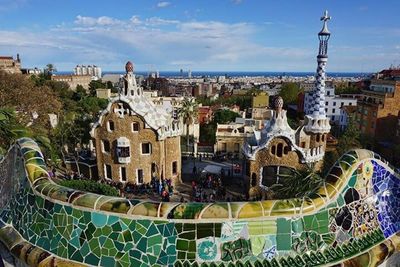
(353, 220)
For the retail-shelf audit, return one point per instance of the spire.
(324, 36)
(316, 116)
(128, 86)
(318, 94)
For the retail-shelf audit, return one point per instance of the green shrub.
(91, 186)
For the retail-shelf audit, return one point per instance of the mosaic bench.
(353, 220)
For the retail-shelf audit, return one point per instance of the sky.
(201, 35)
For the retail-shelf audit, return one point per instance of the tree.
(32, 103)
(345, 88)
(298, 184)
(289, 93)
(93, 85)
(350, 139)
(10, 130)
(50, 68)
(225, 116)
(188, 112)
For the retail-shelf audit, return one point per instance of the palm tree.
(300, 183)
(188, 111)
(50, 68)
(10, 130)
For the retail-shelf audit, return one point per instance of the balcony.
(123, 150)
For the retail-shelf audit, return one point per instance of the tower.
(129, 87)
(316, 121)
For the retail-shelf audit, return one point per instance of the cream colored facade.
(8, 64)
(103, 93)
(231, 137)
(74, 80)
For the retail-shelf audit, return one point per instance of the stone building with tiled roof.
(274, 151)
(135, 139)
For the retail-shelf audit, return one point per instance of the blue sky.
(221, 35)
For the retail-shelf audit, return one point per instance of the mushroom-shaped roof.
(278, 102)
(129, 66)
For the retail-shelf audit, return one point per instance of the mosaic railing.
(354, 220)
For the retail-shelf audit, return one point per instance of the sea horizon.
(178, 74)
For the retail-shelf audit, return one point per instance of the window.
(326, 110)
(139, 176)
(107, 171)
(110, 126)
(123, 152)
(174, 167)
(273, 150)
(253, 179)
(286, 150)
(279, 150)
(342, 104)
(269, 176)
(350, 104)
(333, 111)
(223, 147)
(123, 174)
(334, 103)
(105, 146)
(326, 103)
(146, 148)
(237, 147)
(318, 137)
(333, 118)
(135, 127)
(328, 93)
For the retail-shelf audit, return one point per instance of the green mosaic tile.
(284, 241)
(99, 220)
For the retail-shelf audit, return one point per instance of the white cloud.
(171, 44)
(156, 21)
(100, 21)
(163, 4)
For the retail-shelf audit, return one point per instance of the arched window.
(273, 150)
(110, 126)
(279, 150)
(253, 179)
(286, 150)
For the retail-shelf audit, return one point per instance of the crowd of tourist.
(157, 187)
(209, 189)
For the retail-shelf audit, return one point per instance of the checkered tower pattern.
(317, 108)
(318, 96)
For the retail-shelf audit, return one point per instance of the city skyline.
(207, 36)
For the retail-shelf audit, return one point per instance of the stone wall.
(265, 157)
(163, 152)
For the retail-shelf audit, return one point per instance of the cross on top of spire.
(325, 19)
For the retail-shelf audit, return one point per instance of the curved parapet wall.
(353, 219)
